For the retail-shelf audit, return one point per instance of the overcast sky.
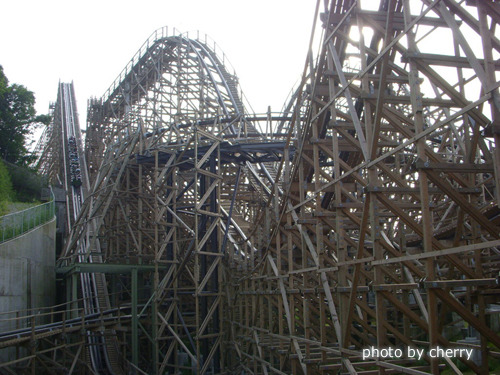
(90, 42)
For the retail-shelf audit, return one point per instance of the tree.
(18, 121)
(6, 192)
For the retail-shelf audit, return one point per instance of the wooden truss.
(179, 180)
(388, 230)
(366, 216)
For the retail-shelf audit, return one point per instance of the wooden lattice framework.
(182, 172)
(368, 219)
(388, 229)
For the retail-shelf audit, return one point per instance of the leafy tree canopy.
(18, 121)
(6, 192)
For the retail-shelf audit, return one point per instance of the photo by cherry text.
(417, 353)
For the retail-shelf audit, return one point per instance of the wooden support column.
(417, 110)
(135, 320)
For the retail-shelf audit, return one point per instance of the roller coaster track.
(93, 286)
(212, 102)
(66, 164)
(365, 215)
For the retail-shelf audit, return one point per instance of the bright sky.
(90, 42)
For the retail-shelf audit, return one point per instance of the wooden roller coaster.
(345, 234)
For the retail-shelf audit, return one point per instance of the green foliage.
(26, 183)
(18, 121)
(6, 192)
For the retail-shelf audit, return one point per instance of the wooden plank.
(350, 103)
(464, 203)
(368, 164)
(288, 314)
(439, 253)
(469, 317)
(178, 339)
(443, 60)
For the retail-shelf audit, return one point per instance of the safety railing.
(15, 224)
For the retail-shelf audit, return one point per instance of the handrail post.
(18, 319)
(33, 345)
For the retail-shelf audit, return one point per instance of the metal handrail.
(15, 224)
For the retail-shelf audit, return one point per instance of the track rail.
(93, 285)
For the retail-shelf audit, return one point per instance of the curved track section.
(183, 171)
(170, 83)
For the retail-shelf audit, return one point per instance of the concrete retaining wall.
(27, 275)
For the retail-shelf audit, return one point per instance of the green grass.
(13, 207)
